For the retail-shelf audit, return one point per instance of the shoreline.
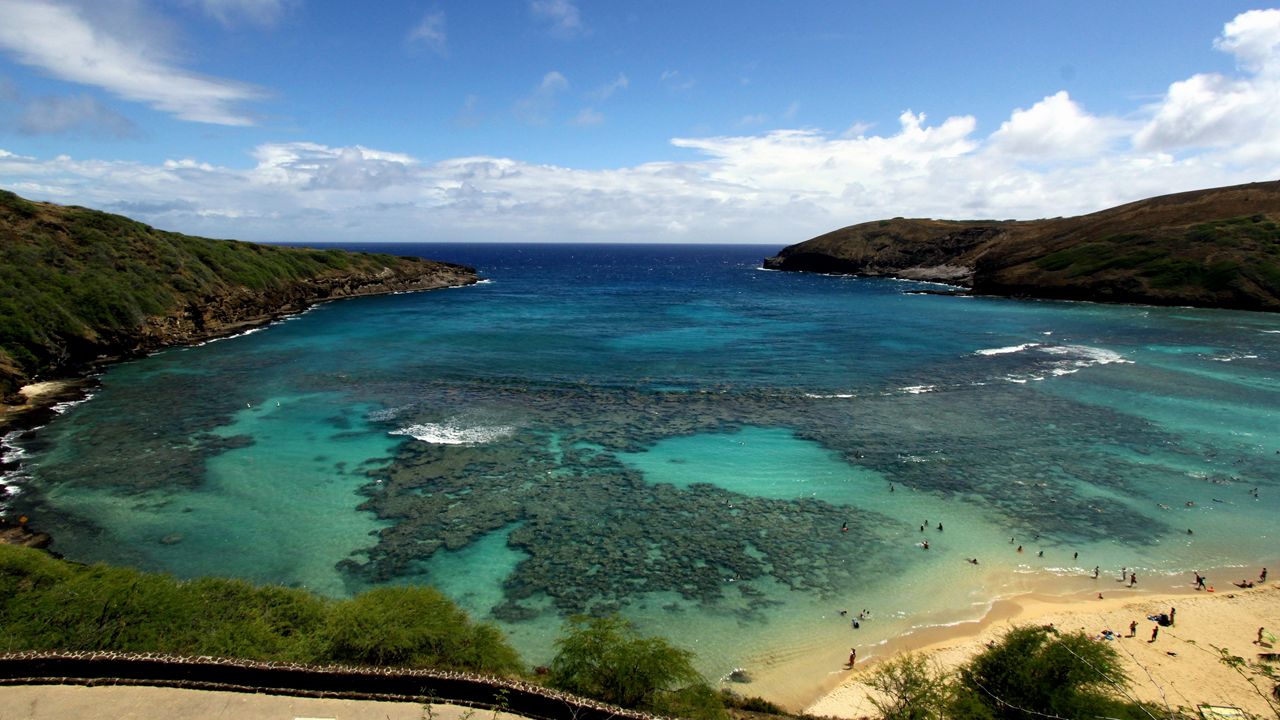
(42, 395)
(1180, 668)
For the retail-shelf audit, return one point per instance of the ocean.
(730, 457)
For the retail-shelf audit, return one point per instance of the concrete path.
(75, 702)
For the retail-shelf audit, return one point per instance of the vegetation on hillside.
(75, 282)
(1213, 248)
(606, 659)
(50, 604)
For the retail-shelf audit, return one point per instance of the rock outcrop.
(1208, 248)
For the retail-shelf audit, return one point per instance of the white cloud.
(563, 16)
(60, 41)
(76, 114)
(1054, 128)
(776, 187)
(430, 32)
(756, 119)
(536, 107)
(1254, 38)
(258, 12)
(1210, 110)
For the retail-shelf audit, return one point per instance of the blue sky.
(655, 121)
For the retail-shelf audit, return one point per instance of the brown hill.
(78, 284)
(1208, 248)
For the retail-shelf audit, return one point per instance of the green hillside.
(78, 283)
(1209, 248)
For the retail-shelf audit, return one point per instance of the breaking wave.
(447, 434)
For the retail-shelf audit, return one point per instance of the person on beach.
(1259, 640)
(1133, 579)
(1262, 576)
(1155, 630)
(1095, 572)
(1173, 613)
(1133, 628)
(853, 656)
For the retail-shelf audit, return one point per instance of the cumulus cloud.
(430, 33)
(59, 40)
(1210, 110)
(562, 16)
(1050, 158)
(1055, 128)
(75, 115)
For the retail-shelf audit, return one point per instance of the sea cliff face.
(1207, 248)
(78, 286)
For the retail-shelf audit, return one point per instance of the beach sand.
(1181, 668)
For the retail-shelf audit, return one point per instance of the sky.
(690, 121)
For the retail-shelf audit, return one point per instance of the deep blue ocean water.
(726, 455)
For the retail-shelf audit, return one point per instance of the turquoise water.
(725, 455)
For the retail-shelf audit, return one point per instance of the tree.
(911, 687)
(604, 658)
(1039, 670)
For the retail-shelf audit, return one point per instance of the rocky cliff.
(1209, 248)
(78, 285)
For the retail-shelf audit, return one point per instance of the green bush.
(604, 658)
(413, 626)
(48, 604)
(1039, 670)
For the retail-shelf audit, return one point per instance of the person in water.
(853, 656)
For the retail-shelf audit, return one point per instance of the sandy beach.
(1181, 668)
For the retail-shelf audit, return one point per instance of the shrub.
(1038, 670)
(604, 658)
(911, 687)
(413, 626)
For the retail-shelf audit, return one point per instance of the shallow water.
(676, 435)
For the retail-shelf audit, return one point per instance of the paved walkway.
(67, 702)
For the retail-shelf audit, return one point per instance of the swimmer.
(1095, 572)
(925, 544)
(1040, 554)
(845, 526)
(972, 561)
(939, 527)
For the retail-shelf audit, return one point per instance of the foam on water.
(452, 434)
